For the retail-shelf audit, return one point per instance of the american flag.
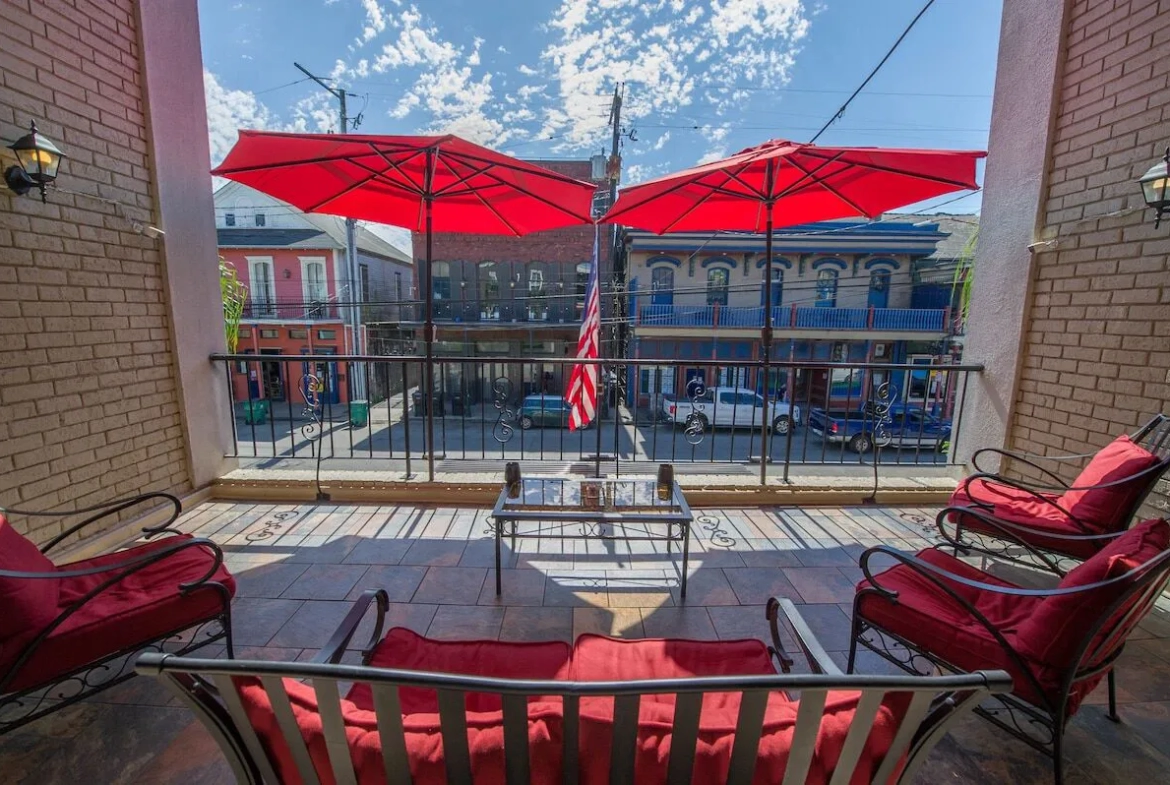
(582, 395)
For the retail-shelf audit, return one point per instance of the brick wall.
(90, 409)
(568, 246)
(1096, 356)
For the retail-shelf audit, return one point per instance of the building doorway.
(271, 378)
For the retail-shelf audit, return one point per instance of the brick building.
(497, 295)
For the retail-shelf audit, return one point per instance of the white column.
(180, 158)
(1015, 182)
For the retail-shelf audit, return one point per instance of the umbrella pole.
(429, 329)
(766, 332)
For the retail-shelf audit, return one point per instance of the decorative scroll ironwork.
(717, 535)
(19, 708)
(877, 410)
(272, 527)
(1020, 721)
(313, 431)
(503, 430)
(696, 424)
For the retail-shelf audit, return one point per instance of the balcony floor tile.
(299, 567)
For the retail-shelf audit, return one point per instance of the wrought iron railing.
(487, 409)
(795, 318)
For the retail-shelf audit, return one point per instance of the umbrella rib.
(824, 184)
(322, 159)
(374, 174)
(698, 202)
(526, 192)
(893, 170)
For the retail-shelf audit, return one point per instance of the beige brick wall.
(1096, 358)
(89, 406)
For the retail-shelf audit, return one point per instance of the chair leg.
(1112, 715)
(226, 620)
(1058, 752)
(853, 643)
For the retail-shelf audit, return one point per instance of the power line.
(873, 73)
(280, 87)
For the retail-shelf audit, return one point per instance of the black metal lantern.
(38, 160)
(1154, 185)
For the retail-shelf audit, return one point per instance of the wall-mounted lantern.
(1154, 185)
(38, 159)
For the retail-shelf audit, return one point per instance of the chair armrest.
(102, 511)
(1025, 460)
(338, 642)
(1035, 490)
(819, 660)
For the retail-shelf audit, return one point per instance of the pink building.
(299, 288)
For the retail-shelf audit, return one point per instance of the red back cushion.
(1104, 509)
(29, 605)
(1054, 631)
(404, 649)
(424, 742)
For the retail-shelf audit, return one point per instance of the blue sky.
(703, 79)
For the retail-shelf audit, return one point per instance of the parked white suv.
(730, 407)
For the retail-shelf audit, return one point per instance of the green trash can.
(359, 413)
(256, 412)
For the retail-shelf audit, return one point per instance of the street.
(484, 434)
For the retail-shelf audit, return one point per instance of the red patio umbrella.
(425, 183)
(781, 183)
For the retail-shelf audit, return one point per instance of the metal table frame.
(675, 513)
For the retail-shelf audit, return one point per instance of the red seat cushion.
(29, 604)
(1107, 509)
(598, 658)
(141, 607)
(1021, 507)
(405, 649)
(936, 623)
(1055, 630)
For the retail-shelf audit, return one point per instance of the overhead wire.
(840, 112)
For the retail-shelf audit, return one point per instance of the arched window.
(662, 285)
(717, 280)
(879, 289)
(777, 297)
(826, 289)
(489, 291)
(441, 280)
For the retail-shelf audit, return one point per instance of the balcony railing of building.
(487, 409)
(293, 310)
(793, 317)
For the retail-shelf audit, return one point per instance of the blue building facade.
(841, 291)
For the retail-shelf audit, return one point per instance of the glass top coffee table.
(570, 508)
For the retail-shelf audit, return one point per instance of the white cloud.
(375, 20)
(527, 70)
(447, 87)
(228, 111)
(664, 56)
(662, 140)
(714, 154)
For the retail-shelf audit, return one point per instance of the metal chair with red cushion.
(69, 631)
(1056, 643)
(1057, 518)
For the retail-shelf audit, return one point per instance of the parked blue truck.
(903, 426)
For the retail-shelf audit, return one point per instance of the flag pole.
(600, 367)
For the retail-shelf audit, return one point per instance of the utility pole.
(613, 171)
(357, 372)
